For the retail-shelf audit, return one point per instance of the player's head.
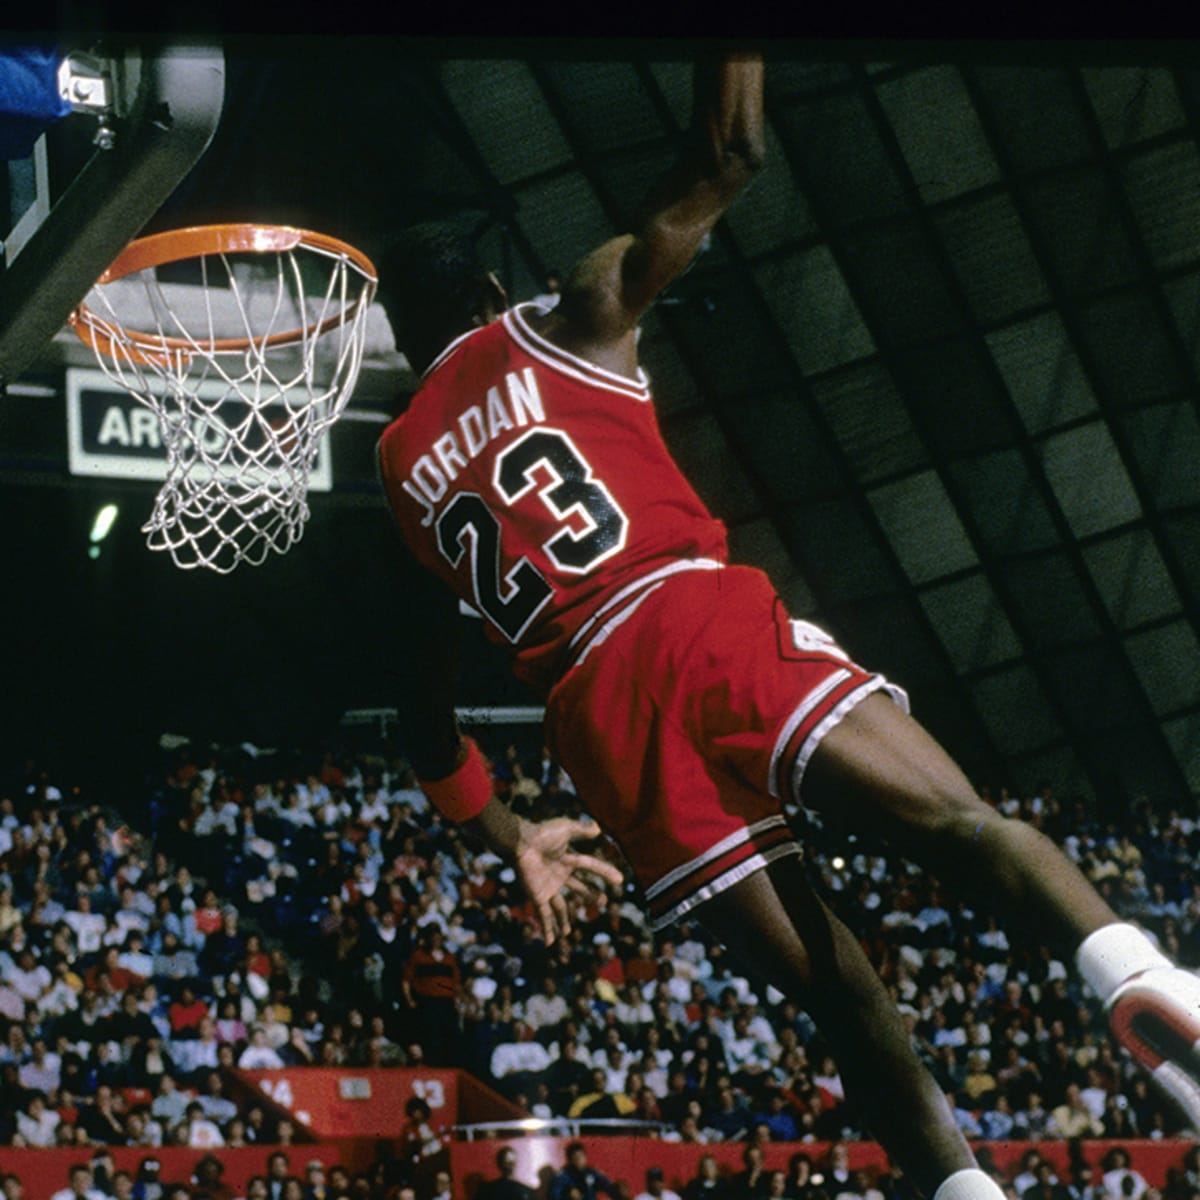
(434, 287)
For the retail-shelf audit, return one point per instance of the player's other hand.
(550, 867)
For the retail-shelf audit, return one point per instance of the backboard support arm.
(179, 100)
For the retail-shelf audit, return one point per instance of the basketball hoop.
(246, 369)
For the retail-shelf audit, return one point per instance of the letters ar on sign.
(111, 435)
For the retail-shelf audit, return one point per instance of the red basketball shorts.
(688, 721)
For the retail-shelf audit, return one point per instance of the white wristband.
(1113, 954)
(969, 1184)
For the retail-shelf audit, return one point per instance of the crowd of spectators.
(143, 957)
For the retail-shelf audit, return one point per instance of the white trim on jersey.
(723, 882)
(715, 851)
(799, 713)
(609, 627)
(805, 751)
(583, 634)
(449, 349)
(570, 364)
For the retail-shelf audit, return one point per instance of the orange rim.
(196, 241)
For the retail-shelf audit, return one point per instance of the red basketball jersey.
(537, 485)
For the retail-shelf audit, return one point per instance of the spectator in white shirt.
(374, 807)
(547, 1008)
(520, 1056)
(43, 1071)
(37, 1124)
(30, 979)
(1120, 1181)
(259, 1054)
(81, 1186)
(87, 926)
(656, 1189)
(200, 1130)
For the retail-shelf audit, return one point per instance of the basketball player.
(529, 477)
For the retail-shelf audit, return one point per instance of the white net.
(243, 401)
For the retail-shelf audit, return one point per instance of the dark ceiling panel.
(957, 401)
(971, 623)
(1131, 578)
(865, 411)
(922, 527)
(783, 445)
(490, 93)
(1041, 372)
(671, 381)
(938, 132)
(567, 216)
(1096, 688)
(787, 80)
(1086, 472)
(1183, 533)
(609, 106)
(814, 309)
(1158, 656)
(1005, 503)
(892, 275)
(1036, 114)
(996, 268)
(1133, 103)
(853, 187)
(1016, 710)
(834, 536)
(1132, 351)
(1051, 601)
(698, 445)
(1183, 735)
(1183, 296)
(724, 338)
(1166, 443)
(1163, 186)
(1075, 217)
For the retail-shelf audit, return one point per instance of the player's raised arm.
(610, 289)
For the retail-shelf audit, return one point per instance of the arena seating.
(250, 912)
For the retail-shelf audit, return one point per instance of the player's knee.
(942, 816)
(964, 834)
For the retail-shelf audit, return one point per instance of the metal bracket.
(85, 83)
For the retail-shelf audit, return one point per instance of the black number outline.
(468, 526)
(571, 477)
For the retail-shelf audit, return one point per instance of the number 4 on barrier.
(279, 1090)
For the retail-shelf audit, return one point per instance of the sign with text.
(348, 1102)
(112, 435)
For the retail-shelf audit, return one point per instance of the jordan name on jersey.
(499, 412)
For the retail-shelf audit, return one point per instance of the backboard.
(141, 114)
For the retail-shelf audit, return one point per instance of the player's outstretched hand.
(549, 867)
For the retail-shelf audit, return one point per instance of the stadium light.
(103, 522)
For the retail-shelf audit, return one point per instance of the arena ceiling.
(938, 371)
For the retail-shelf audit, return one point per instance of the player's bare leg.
(778, 923)
(879, 770)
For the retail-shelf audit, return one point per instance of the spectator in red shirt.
(431, 985)
(208, 916)
(186, 1013)
(609, 965)
(108, 974)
